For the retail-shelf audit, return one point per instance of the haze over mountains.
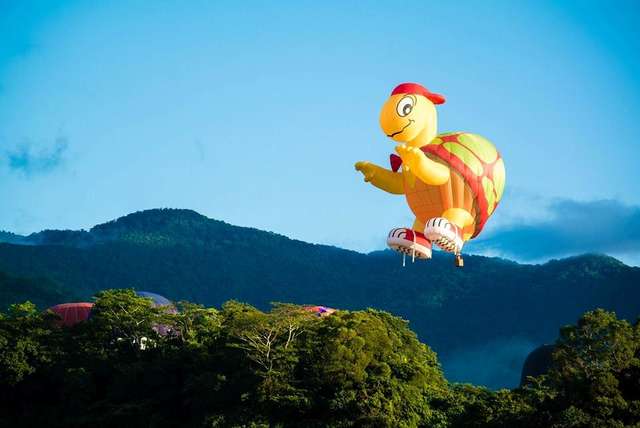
(482, 320)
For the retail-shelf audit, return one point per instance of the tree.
(26, 342)
(124, 320)
(368, 369)
(592, 362)
(197, 325)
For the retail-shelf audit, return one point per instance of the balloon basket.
(459, 261)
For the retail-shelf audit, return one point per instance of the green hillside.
(41, 291)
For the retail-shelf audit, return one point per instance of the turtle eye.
(405, 105)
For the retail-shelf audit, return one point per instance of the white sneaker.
(444, 234)
(409, 242)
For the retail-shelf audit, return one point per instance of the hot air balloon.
(72, 313)
(159, 301)
(453, 182)
(321, 311)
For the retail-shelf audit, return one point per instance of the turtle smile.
(402, 130)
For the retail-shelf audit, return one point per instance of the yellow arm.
(428, 171)
(382, 178)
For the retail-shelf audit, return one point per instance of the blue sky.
(254, 113)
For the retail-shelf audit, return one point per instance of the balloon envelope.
(321, 311)
(158, 301)
(72, 313)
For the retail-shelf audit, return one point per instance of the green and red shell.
(479, 163)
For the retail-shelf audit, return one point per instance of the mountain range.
(482, 319)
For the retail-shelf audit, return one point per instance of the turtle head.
(409, 115)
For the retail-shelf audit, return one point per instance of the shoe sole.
(409, 248)
(441, 232)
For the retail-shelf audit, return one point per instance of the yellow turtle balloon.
(453, 182)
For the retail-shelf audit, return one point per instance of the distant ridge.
(11, 238)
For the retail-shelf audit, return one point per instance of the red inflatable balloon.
(72, 313)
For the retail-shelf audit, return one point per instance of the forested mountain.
(40, 291)
(186, 256)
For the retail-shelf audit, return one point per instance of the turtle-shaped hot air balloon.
(453, 182)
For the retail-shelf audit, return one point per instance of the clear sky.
(255, 112)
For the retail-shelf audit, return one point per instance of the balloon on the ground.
(72, 313)
(158, 301)
(321, 311)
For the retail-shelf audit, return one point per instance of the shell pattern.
(476, 183)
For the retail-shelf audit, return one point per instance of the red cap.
(414, 88)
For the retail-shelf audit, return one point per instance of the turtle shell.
(477, 162)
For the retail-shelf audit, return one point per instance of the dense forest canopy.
(238, 366)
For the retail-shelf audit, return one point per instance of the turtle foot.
(444, 234)
(410, 242)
